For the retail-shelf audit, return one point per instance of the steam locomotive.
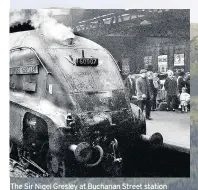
(68, 106)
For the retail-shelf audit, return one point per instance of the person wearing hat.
(144, 93)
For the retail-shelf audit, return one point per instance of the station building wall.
(138, 51)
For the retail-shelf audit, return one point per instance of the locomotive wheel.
(23, 156)
(56, 166)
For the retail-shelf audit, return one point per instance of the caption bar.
(85, 186)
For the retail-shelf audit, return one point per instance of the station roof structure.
(93, 23)
(171, 23)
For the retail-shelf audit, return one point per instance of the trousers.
(147, 104)
(154, 101)
(173, 99)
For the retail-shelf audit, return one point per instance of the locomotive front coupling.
(100, 140)
(86, 154)
(92, 155)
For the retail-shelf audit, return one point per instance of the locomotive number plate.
(33, 69)
(87, 62)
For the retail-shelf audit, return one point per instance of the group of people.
(178, 89)
(147, 85)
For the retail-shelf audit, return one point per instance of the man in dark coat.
(180, 81)
(153, 90)
(130, 85)
(144, 93)
(187, 82)
(170, 86)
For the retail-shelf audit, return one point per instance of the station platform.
(174, 127)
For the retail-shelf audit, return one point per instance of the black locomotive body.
(68, 105)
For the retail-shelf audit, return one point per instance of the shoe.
(167, 109)
(149, 118)
(173, 109)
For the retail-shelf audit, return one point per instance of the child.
(184, 100)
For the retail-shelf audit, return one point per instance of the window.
(148, 60)
(23, 82)
(162, 63)
(29, 83)
(179, 59)
(24, 70)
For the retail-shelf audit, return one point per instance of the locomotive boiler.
(68, 106)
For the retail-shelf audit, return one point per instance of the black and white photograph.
(99, 93)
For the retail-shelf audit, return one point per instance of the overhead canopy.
(168, 23)
(163, 23)
(150, 22)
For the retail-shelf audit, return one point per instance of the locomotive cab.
(70, 98)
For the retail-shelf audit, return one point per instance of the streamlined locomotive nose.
(82, 105)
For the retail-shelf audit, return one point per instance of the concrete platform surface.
(174, 127)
